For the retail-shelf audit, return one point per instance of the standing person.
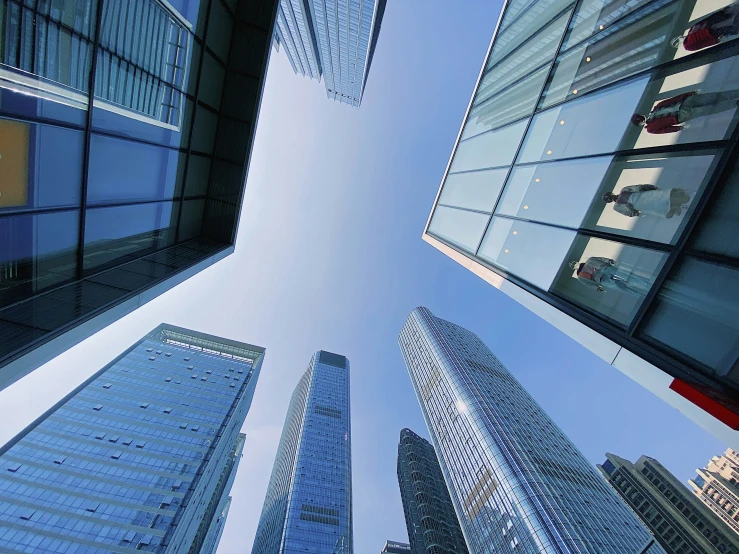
(604, 274)
(670, 115)
(637, 200)
(717, 27)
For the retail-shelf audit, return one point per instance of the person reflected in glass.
(605, 274)
(719, 26)
(672, 114)
(639, 200)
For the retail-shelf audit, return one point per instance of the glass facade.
(332, 39)
(395, 547)
(517, 482)
(433, 527)
(125, 131)
(308, 506)
(140, 457)
(596, 170)
(676, 518)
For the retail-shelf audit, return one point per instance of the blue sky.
(329, 256)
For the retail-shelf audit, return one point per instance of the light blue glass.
(461, 227)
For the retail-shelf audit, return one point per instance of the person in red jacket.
(671, 114)
(720, 26)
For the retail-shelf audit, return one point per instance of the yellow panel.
(14, 136)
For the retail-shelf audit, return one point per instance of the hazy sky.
(329, 256)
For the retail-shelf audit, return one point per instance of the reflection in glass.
(112, 233)
(596, 15)
(717, 231)
(636, 43)
(492, 149)
(476, 190)
(607, 277)
(696, 314)
(36, 251)
(460, 227)
(123, 170)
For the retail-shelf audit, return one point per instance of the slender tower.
(141, 456)
(309, 497)
(517, 482)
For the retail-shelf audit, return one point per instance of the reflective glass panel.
(40, 166)
(476, 190)
(113, 233)
(36, 251)
(695, 313)
(717, 231)
(632, 45)
(608, 278)
(594, 124)
(461, 227)
(492, 149)
(123, 170)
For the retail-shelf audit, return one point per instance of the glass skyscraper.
(517, 482)
(308, 506)
(332, 39)
(594, 181)
(433, 527)
(125, 134)
(140, 457)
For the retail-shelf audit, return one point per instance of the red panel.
(703, 401)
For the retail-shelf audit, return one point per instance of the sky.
(329, 256)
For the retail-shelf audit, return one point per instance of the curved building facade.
(518, 484)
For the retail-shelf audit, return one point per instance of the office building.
(676, 518)
(335, 41)
(619, 234)
(394, 547)
(125, 136)
(432, 525)
(308, 506)
(717, 486)
(140, 457)
(517, 482)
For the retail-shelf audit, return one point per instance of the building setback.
(678, 520)
(517, 482)
(433, 526)
(568, 191)
(717, 486)
(308, 506)
(140, 457)
(332, 40)
(86, 236)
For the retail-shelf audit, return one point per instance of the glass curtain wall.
(594, 169)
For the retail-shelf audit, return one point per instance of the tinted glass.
(476, 190)
(492, 149)
(592, 16)
(461, 227)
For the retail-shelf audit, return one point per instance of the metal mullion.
(712, 189)
(462, 208)
(712, 257)
(528, 126)
(86, 155)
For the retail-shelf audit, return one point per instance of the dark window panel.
(14, 336)
(122, 279)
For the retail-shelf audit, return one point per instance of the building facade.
(140, 457)
(86, 236)
(433, 527)
(569, 191)
(517, 482)
(677, 519)
(332, 40)
(308, 506)
(717, 486)
(395, 547)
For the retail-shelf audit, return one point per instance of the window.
(97, 407)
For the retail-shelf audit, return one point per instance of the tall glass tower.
(433, 527)
(141, 456)
(517, 482)
(308, 507)
(336, 40)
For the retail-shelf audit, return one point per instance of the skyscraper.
(333, 40)
(614, 231)
(717, 486)
(679, 521)
(433, 527)
(141, 456)
(517, 482)
(395, 547)
(308, 506)
(125, 134)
